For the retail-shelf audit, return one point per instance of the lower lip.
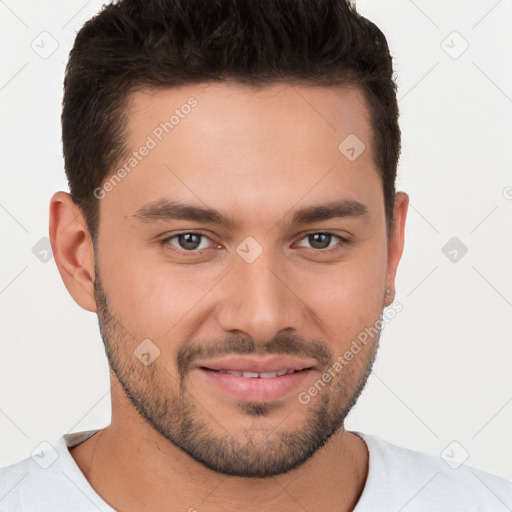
(257, 389)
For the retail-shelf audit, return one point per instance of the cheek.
(153, 299)
(349, 297)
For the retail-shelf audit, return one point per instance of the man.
(233, 221)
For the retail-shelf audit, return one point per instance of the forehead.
(218, 111)
(232, 146)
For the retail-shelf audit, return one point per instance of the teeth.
(254, 375)
(250, 375)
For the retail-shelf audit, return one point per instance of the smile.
(256, 375)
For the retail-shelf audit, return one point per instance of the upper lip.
(257, 364)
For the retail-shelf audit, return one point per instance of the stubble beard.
(185, 423)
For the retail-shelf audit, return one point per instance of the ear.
(396, 243)
(72, 249)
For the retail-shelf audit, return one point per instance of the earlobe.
(72, 249)
(396, 243)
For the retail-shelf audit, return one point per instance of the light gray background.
(442, 380)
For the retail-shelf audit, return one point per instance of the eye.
(188, 241)
(321, 240)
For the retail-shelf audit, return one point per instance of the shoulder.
(48, 480)
(401, 477)
(26, 480)
(10, 479)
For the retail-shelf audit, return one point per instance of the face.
(240, 245)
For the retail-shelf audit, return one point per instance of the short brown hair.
(167, 43)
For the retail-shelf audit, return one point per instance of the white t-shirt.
(398, 480)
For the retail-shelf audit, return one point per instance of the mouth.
(257, 375)
(255, 379)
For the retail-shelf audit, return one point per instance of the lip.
(256, 389)
(257, 364)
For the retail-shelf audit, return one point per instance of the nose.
(259, 300)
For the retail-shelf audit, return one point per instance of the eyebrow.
(332, 210)
(165, 210)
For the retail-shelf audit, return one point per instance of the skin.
(257, 157)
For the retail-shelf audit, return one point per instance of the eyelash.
(195, 252)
